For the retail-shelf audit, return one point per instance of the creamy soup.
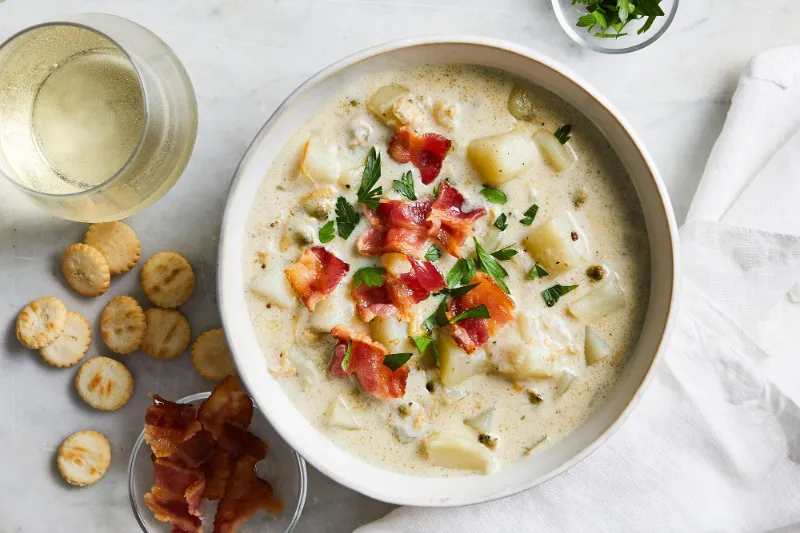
(407, 380)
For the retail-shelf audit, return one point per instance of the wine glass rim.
(145, 106)
(301, 468)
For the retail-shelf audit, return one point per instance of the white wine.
(87, 117)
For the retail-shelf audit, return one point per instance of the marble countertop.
(244, 57)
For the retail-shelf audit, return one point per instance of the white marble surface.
(244, 56)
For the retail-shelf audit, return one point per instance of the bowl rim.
(665, 210)
(137, 444)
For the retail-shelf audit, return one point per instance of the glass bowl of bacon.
(206, 464)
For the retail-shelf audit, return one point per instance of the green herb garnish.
(346, 217)
(461, 273)
(346, 358)
(458, 292)
(504, 254)
(562, 133)
(326, 232)
(494, 196)
(501, 222)
(433, 254)
(530, 215)
(490, 265)
(538, 271)
(438, 187)
(476, 312)
(422, 344)
(370, 276)
(405, 186)
(551, 295)
(396, 360)
(616, 14)
(438, 318)
(368, 194)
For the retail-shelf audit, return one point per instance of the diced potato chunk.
(482, 422)
(392, 333)
(522, 352)
(559, 156)
(605, 298)
(340, 416)
(320, 202)
(456, 365)
(501, 158)
(409, 423)
(320, 160)
(454, 451)
(559, 245)
(595, 348)
(564, 380)
(382, 101)
(272, 284)
(337, 308)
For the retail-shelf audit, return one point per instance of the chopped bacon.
(195, 451)
(395, 226)
(237, 441)
(428, 275)
(245, 495)
(316, 275)
(426, 152)
(372, 302)
(366, 361)
(472, 333)
(405, 291)
(448, 223)
(176, 494)
(226, 404)
(168, 508)
(218, 470)
(167, 425)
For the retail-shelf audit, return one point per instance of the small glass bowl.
(568, 12)
(283, 468)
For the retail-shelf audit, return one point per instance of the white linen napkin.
(714, 444)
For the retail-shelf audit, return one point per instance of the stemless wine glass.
(98, 117)
(283, 468)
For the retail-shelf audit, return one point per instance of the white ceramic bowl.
(317, 449)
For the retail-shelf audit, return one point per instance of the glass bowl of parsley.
(615, 26)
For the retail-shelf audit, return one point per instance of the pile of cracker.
(63, 337)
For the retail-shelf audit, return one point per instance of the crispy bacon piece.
(472, 333)
(226, 404)
(316, 275)
(168, 508)
(195, 451)
(426, 152)
(167, 425)
(366, 361)
(428, 275)
(176, 494)
(245, 495)
(372, 302)
(217, 470)
(448, 223)
(237, 441)
(405, 291)
(395, 226)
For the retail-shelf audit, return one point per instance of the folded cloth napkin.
(714, 444)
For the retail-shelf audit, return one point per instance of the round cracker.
(104, 383)
(86, 270)
(167, 334)
(118, 244)
(41, 322)
(211, 356)
(71, 345)
(167, 279)
(122, 325)
(83, 458)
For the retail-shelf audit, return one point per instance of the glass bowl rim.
(301, 467)
(570, 30)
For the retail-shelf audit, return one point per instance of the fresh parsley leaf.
(501, 222)
(437, 188)
(563, 133)
(490, 265)
(346, 217)
(458, 292)
(530, 215)
(371, 276)
(504, 254)
(538, 271)
(624, 9)
(461, 273)
(433, 254)
(405, 186)
(495, 196)
(326, 232)
(438, 318)
(396, 360)
(476, 312)
(615, 15)
(552, 294)
(368, 195)
(346, 358)
(422, 344)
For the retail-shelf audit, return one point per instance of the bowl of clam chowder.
(447, 266)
